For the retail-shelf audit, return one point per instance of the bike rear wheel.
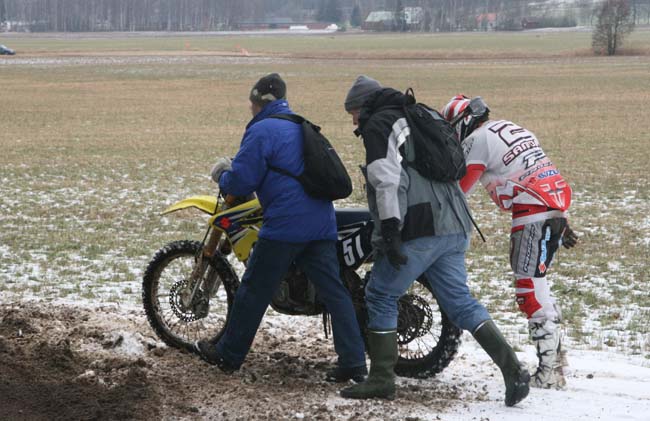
(167, 281)
(427, 340)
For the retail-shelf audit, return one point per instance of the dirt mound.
(63, 362)
(44, 378)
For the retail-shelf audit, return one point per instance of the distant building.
(486, 21)
(384, 20)
(267, 23)
(413, 16)
(15, 26)
(280, 23)
(379, 20)
(530, 23)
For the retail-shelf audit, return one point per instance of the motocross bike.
(189, 286)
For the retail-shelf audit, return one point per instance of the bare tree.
(330, 11)
(355, 18)
(614, 23)
(2, 11)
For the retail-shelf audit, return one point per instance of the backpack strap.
(294, 118)
(282, 171)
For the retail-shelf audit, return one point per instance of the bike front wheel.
(177, 320)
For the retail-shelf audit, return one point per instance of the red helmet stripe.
(456, 106)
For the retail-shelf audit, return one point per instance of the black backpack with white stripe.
(438, 153)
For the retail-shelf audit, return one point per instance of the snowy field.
(96, 145)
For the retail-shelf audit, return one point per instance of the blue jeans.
(266, 268)
(442, 260)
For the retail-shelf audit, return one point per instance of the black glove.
(569, 238)
(392, 242)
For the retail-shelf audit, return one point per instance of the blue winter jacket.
(289, 213)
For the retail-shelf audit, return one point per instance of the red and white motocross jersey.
(516, 169)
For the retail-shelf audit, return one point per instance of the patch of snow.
(600, 385)
(127, 343)
(614, 266)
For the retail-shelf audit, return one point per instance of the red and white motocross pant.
(532, 247)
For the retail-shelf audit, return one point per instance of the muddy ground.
(65, 362)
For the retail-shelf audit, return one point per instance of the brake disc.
(180, 310)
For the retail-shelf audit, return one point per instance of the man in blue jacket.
(297, 228)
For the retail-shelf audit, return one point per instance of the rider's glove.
(392, 242)
(569, 238)
(223, 164)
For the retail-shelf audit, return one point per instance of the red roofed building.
(486, 21)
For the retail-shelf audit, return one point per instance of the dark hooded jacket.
(423, 207)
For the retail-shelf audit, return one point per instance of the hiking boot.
(208, 353)
(515, 376)
(343, 374)
(381, 380)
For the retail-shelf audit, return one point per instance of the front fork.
(211, 281)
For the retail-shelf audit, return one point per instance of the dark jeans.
(267, 266)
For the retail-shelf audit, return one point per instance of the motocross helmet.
(465, 114)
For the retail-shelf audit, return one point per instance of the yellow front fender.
(207, 204)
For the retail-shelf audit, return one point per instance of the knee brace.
(526, 300)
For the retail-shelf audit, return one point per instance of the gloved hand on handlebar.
(392, 242)
(569, 238)
(223, 164)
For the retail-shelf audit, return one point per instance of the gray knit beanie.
(361, 90)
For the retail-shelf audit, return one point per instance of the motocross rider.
(433, 221)
(297, 228)
(521, 179)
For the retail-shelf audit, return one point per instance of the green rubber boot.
(515, 376)
(381, 380)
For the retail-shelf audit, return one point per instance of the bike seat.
(347, 216)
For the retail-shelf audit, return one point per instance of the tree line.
(130, 15)
(213, 15)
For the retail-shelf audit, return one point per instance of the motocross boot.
(381, 380)
(549, 373)
(515, 376)
(559, 367)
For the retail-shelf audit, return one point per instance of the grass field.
(98, 135)
(445, 45)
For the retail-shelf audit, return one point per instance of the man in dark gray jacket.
(421, 227)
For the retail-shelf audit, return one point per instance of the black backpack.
(438, 153)
(324, 176)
